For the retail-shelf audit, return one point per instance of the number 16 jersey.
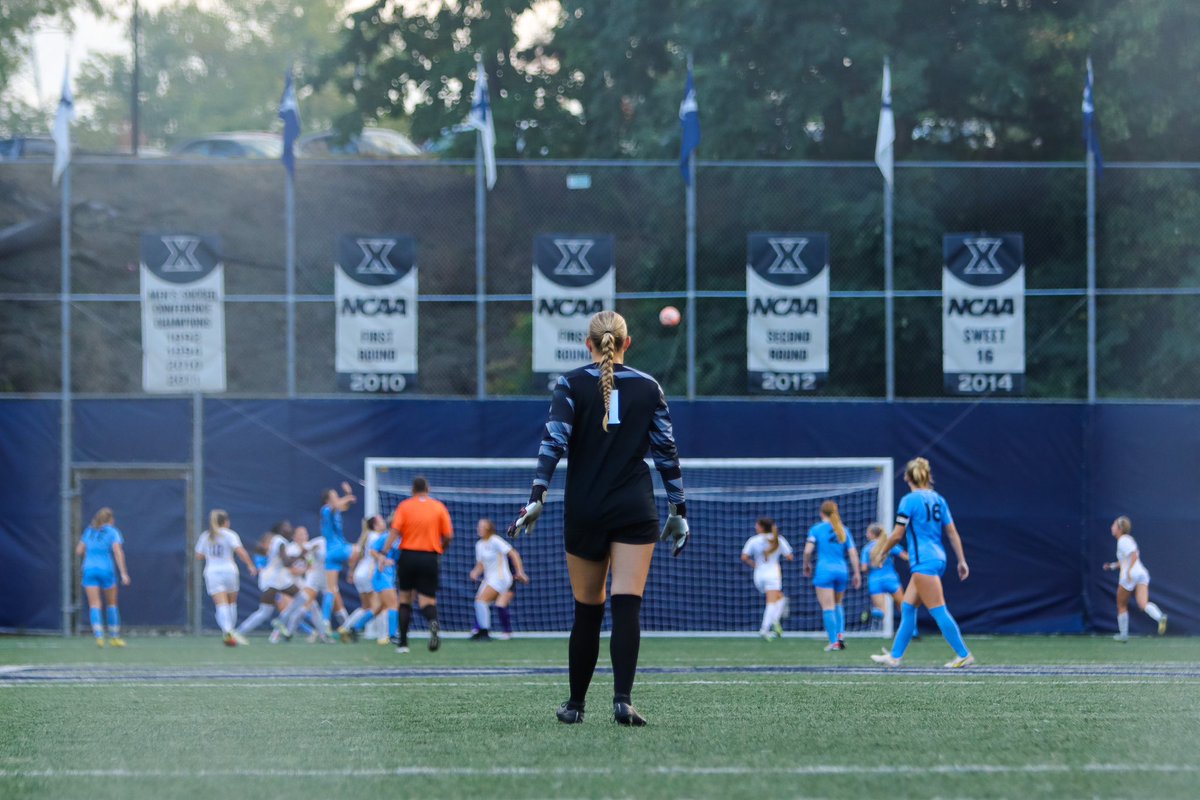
(924, 514)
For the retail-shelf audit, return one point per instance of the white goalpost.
(707, 590)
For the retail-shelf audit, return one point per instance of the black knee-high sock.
(584, 648)
(625, 643)
(429, 613)
(405, 621)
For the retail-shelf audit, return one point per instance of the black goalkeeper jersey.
(608, 483)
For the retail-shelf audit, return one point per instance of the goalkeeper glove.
(675, 530)
(528, 517)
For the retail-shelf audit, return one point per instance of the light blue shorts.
(882, 584)
(935, 568)
(104, 578)
(830, 579)
(335, 559)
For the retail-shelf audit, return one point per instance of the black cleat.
(480, 636)
(626, 714)
(569, 714)
(435, 641)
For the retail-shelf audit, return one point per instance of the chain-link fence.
(1148, 270)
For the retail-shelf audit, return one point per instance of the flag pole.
(66, 443)
(889, 294)
(1091, 276)
(290, 267)
(691, 267)
(480, 271)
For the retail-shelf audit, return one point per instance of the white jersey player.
(1132, 578)
(492, 556)
(362, 567)
(216, 547)
(309, 555)
(762, 551)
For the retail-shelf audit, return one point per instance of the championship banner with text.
(183, 313)
(983, 313)
(574, 276)
(787, 312)
(375, 289)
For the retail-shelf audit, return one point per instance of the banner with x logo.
(375, 297)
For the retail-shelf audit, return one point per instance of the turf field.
(181, 717)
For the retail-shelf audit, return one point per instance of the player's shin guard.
(584, 648)
(264, 612)
(483, 615)
(505, 619)
(904, 634)
(950, 631)
(1153, 611)
(625, 643)
(831, 629)
(97, 620)
(114, 622)
(1123, 623)
(841, 619)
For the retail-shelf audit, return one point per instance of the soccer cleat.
(961, 661)
(1162, 625)
(241, 640)
(569, 714)
(626, 714)
(778, 630)
(767, 636)
(435, 641)
(100, 641)
(504, 637)
(275, 636)
(842, 642)
(116, 641)
(402, 648)
(834, 647)
(383, 641)
(1121, 637)
(481, 636)
(885, 659)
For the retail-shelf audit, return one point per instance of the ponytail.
(767, 525)
(217, 519)
(103, 517)
(830, 509)
(608, 333)
(918, 473)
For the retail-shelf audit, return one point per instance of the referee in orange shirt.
(423, 525)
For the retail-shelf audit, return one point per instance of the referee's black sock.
(584, 649)
(405, 621)
(429, 613)
(625, 643)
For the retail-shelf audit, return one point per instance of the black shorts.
(418, 570)
(594, 545)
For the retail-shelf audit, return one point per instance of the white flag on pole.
(480, 119)
(62, 126)
(886, 138)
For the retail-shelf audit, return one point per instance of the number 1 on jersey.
(614, 407)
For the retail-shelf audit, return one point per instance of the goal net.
(706, 590)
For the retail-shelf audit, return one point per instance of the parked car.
(20, 147)
(238, 144)
(371, 143)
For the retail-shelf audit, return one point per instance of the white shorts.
(501, 583)
(275, 578)
(221, 581)
(363, 580)
(1138, 574)
(768, 581)
(314, 580)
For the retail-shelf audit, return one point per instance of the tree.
(216, 67)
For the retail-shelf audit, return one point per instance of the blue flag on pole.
(1089, 121)
(480, 119)
(689, 124)
(289, 112)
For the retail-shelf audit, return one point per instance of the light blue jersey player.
(337, 552)
(362, 567)
(883, 580)
(834, 547)
(101, 546)
(922, 519)
(384, 583)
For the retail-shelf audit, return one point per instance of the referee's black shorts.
(418, 570)
(594, 544)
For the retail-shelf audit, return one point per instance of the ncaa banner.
(574, 276)
(375, 291)
(787, 305)
(983, 313)
(183, 313)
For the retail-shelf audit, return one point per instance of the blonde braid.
(607, 346)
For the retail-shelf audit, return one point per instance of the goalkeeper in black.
(607, 416)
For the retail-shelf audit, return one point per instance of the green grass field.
(1040, 717)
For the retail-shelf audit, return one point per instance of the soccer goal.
(707, 590)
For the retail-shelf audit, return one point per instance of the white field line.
(507, 771)
(492, 682)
